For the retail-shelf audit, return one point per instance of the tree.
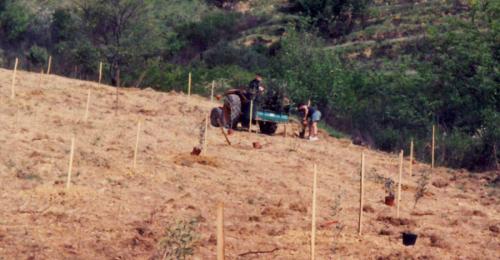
(14, 20)
(124, 31)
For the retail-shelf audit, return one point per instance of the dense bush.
(14, 20)
(333, 17)
(452, 83)
(213, 28)
(251, 59)
(37, 55)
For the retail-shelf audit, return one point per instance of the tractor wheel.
(216, 117)
(268, 128)
(232, 106)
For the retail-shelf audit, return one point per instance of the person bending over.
(310, 117)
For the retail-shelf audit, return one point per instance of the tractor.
(267, 110)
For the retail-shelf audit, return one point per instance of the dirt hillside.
(112, 211)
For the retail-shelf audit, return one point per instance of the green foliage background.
(448, 76)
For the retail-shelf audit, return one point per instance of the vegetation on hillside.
(400, 67)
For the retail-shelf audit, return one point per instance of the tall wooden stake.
(137, 143)
(87, 107)
(189, 84)
(49, 67)
(313, 217)
(361, 193)
(116, 100)
(251, 115)
(433, 145)
(71, 154)
(212, 92)
(410, 167)
(220, 232)
(100, 74)
(12, 91)
(398, 202)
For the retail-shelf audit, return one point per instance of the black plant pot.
(409, 239)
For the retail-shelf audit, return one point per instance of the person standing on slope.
(310, 117)
(255, 87)
(253, 93)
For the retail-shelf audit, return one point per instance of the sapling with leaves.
(201, 139)
(389, 187)
(422, 183)
(335, 210)
(180, 240)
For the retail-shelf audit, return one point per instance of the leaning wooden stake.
(398, 201)
(137, 143)
(49, 66)
(71, 154)
(221, 126)
(433, 145)
(212, 92)
(313, 217)
(410, 167)
(12, 91)
(189, 84)
(87, 107)
(205, 143)
(251, 115)
(361, 193)
(220, 232)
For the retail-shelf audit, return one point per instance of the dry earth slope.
(114, 212)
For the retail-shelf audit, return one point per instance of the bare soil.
(112, 211)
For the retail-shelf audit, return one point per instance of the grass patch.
(331, 131)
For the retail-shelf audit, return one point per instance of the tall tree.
(123, 31)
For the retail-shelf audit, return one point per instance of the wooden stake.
(100, 74)
(251, 115)
(223, 132)
(50, 65)
(116, 100)
(87, 107)
(71, 154)
(410, 167)
(205, 144)
(433, 145)
(220, 232)
(284, 131)
(189, 84)
(137, 143)
(12, 91)
(361, 193)
(212, 92)
(399, 182)
(313, 217)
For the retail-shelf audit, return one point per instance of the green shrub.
(38, 55)
(14, 20)
(247, 58)
(213, 28)
(167, 77)
(333, 17)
